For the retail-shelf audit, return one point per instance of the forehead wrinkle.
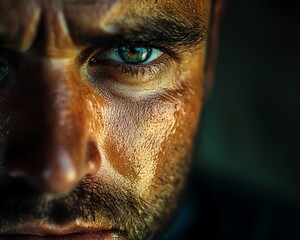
(88, 18)
(139, 14)
(92, 22)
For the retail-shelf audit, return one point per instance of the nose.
(49, 145)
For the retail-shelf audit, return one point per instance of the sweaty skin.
(88, 144)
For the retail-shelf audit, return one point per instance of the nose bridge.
(65, 155)
(55, 135)
(53, 38)
(64, 104)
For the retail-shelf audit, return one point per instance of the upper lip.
(42, 228)
(25, 211)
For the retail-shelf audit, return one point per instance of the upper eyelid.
(133, 40)
(86, 54)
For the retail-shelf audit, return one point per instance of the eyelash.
(152, 68)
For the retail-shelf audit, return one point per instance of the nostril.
(93, 158)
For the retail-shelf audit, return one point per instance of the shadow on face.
(100, 102)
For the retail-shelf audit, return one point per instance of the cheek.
(144, 139)
(135, 134)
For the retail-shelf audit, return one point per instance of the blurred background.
(245, 184)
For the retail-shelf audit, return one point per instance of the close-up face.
(100, 102)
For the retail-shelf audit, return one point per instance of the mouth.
(45, 231)
(88, 212)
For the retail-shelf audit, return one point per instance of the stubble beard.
(94, 203)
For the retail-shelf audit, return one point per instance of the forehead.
(101, 6)
(20, 19)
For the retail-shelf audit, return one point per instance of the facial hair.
(93, 202)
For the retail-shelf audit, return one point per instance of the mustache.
(90, 202)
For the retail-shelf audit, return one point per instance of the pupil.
(135, 55)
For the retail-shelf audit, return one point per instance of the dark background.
(245, 183)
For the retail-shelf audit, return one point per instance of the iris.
(134, 55)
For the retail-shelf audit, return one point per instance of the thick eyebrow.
(160, 32)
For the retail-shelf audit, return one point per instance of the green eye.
(136, 55)
(129, 55)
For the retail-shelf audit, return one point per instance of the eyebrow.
(163, 32)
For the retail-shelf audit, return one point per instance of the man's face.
(99, 106)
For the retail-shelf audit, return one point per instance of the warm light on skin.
(123, 133)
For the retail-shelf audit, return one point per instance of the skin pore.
(100, 101)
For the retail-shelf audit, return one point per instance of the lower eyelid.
(118, 72)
